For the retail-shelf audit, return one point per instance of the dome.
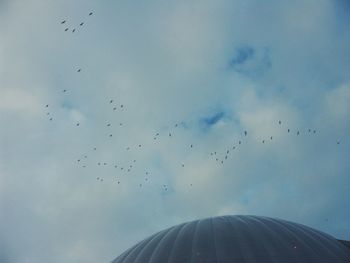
(237, 239)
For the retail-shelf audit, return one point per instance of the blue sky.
(214, 68)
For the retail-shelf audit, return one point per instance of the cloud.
(196, 73)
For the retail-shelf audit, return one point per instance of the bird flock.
(84, 161)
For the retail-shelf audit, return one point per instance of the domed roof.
(237, 239)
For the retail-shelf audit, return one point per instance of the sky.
(179, 82)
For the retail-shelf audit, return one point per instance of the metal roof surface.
(237, 239)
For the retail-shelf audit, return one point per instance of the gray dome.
(237, 239)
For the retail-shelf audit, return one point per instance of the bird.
(314, 131)
(64, 90)
(66, 29)
(271, 137)
(79, 70)
(50, 119)
(279, 122)
(263, 141)
(120, 124)
(245, 133)
(239, 142)
(108, 125)
(309, 130)
(183, 165)
(191, 145)
(78, 160)
(82, 23)
(227, 151)
(121, 106)
(288, 130)
(98, 163)
(90, 13)
(111, 101)
(95, 149)
(47, 105)
(110, 135)
(338, 142)
(298, 132)
(175, 125)
(169, 134)
(226, 157)
(234, 147)
(139, 145)
(114, 108)
(78, 124)
(64, 21)
(104, 163)
(73, 30)
(115, 166)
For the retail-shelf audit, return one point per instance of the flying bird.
(66, 29)
(288, 130)
(279, 122)
(79, 70)
(64, 21)
(78, 124)
(73, 30)
(245, 133)
(82, 23)
(111, 101)
(47, 105)
(90, 13)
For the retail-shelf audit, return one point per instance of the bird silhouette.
(64, 21)
(90, 13)
(82, 23)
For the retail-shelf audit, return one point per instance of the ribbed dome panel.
(238, 239)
